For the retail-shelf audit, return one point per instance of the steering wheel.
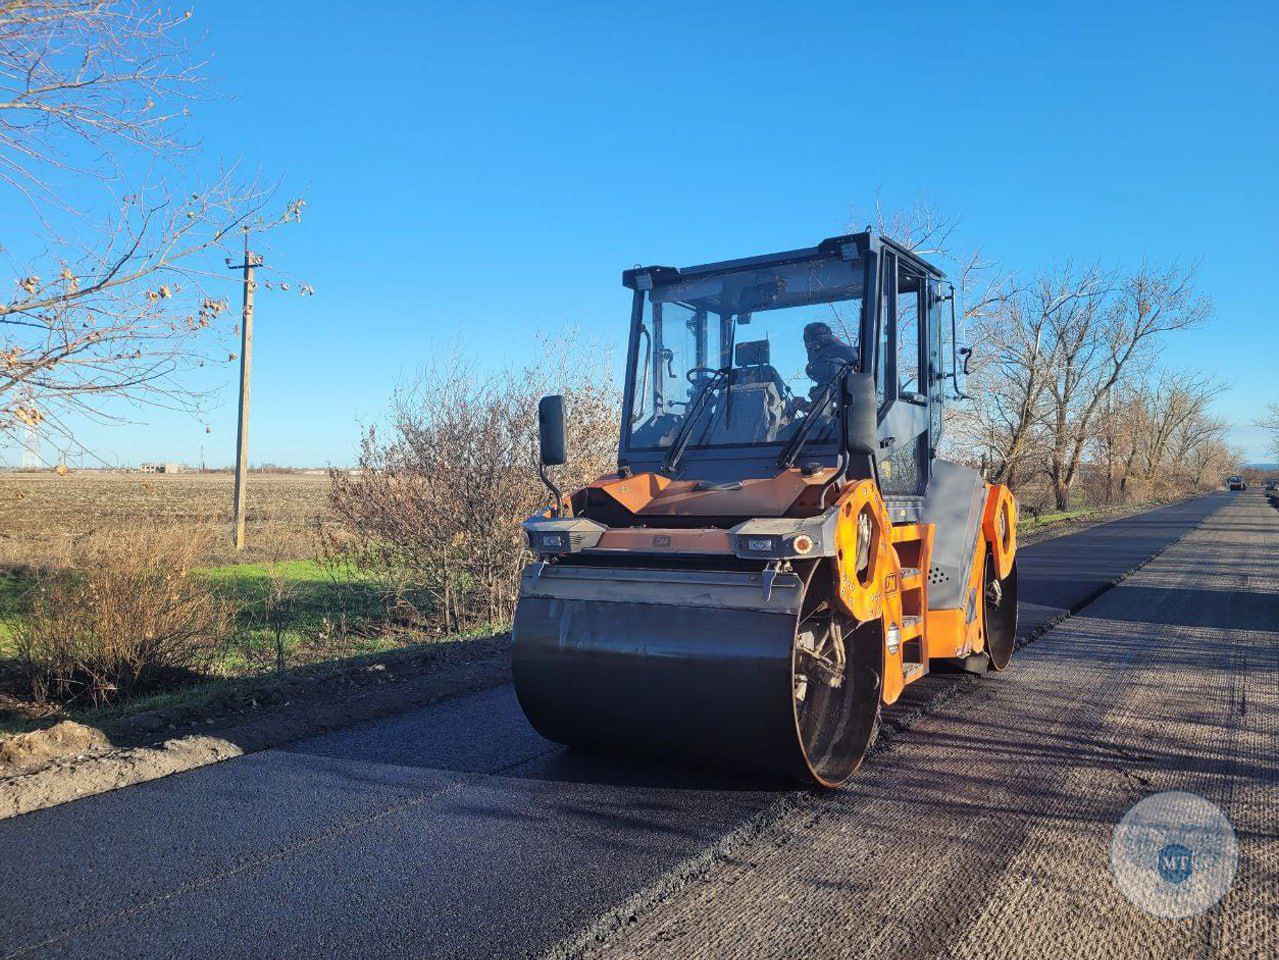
(690, 375)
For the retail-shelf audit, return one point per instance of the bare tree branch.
(83, 80)
(125, 306)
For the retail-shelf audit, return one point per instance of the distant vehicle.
(1236, 483)
(1272, 485)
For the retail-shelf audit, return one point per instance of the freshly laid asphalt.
(451, 831)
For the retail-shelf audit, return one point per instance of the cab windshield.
(741, 358)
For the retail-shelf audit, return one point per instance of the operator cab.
(734, 368)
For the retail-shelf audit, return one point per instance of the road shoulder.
(255, 715)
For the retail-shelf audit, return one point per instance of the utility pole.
(251, 261)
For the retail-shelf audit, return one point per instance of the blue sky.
(483, 172)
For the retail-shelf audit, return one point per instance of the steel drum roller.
(699, 667)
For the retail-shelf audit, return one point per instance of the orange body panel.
(884, 591)
(999, 527)
(912, 544)
(863, 596)
(652, 495)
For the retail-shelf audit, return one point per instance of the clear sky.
(480, 172)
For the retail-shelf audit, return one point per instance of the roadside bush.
(125, 611)
(436, 504)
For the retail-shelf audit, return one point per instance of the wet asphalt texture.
(456, 831)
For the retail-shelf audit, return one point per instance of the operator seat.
(752, 408)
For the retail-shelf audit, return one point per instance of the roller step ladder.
(914, 544)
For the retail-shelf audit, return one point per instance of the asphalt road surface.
(455, 831)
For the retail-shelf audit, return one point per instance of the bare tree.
(128, 318)
(1095, 341)
(1060, 370)
(1014, 375)
(119, 301)
(981, 285)
(1270, 423)
(1166, 425)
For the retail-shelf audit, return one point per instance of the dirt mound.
(63, 739)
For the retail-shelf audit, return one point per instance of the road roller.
(780, 551)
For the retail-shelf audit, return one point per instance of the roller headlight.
(778, 538)
(548, 542)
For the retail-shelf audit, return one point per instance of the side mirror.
(550, 430)
(861, 431)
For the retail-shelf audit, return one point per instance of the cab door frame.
(903, 415)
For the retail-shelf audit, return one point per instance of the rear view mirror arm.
(557, 507)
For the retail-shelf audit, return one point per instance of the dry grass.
(43, 517)
(128, 611)
(289, 607)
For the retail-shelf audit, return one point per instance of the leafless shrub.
(127, 610)
(436, 503)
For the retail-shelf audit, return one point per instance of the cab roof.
(848, 246)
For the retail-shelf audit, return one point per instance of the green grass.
(10, 590)
(323, 612)
(1043, 518)
(316, 606)
(295, 571)
(310, 591)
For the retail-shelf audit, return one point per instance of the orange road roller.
(780, 551)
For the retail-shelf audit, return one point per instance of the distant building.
(161, 468)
